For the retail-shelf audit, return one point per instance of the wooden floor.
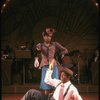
(18, 88)
(85, 96)
(16, 91)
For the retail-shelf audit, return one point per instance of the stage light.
(96, 4)
(4, 5)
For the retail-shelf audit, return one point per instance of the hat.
(50, 31)
(67, 71)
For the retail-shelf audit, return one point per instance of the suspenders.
(66, 89)
(51, 95)
(58, 84)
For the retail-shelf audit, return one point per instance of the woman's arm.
(62, 48)
(36, 59)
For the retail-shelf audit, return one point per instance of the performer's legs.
(34, 94)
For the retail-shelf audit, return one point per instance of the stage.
(16, 91)
(85, 96)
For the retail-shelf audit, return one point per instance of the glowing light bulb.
(96, 4)
(4, 5)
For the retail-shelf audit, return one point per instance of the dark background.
(75, 21)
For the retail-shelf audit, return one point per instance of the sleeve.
(37, 49)
(76, 95)
(38, 46)
(48, 80)
(63, 49)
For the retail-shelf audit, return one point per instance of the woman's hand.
(36, 62)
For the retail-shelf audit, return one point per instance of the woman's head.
(47, 34)
(50, 31)
(47, 38)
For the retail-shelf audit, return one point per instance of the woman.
(48, 50)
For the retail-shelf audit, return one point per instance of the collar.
(67, 83)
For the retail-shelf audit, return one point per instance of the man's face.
(47, 39)
(64, 78)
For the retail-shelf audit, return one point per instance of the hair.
(45, 33)
(51, 30)
(67, 74)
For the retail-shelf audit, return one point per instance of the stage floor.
(16, 91)
(21, 89)
(85, 96)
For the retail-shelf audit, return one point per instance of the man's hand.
(51, 64)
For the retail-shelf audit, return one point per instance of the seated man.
(64, 90)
